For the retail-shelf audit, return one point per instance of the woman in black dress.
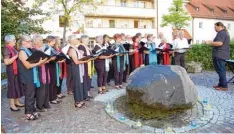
(106, 42)
(101, 65)
(78, 82)
(119, 61)
(62, 68)
(28, 74)
(88, 67)
(42, 92)
(54, 76)
(14, 91)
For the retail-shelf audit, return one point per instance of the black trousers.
(179, 59)
(220, 68)
(118, 75)
(69, 77)
(59, 88)
(52, 85)
(79, 89)
(42, 96)
(110, 73)
(29, 92)
(101, 73)
(125, 73)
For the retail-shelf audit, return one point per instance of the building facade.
(205, 13)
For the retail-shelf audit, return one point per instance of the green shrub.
(203, 53)
(3, 76)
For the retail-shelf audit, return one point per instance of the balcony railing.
(128, 5)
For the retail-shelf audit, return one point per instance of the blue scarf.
(126, 59)
(35, 69)
(152, 54)
(57, 74)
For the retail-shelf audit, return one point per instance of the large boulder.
(161, 87)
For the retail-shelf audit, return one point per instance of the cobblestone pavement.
(64, 118)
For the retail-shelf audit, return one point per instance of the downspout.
(157, 14)
(193, 30)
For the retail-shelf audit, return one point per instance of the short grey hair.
(83, 37)
(99, 37)
(71, 37)
(163, 39)
(8, 38)
(24, 37)
(37, 36)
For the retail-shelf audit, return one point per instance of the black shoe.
(42, 110)
(91, 86)
(90, 97)
(87, 99)
(14, 110)
(19, 106)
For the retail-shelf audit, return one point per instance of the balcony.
(92, 32)
(123, 11)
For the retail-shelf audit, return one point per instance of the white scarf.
(81, 66)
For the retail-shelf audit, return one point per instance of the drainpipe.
(157, 14)
(193, 30)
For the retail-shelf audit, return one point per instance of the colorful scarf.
(90, 63)
(81, 66)
(15, 68)
(43, 71)
(35, 69)
(152, 54)
(119, 48)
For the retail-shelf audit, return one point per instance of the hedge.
(202, 53)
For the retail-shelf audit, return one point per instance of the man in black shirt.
(220, 53)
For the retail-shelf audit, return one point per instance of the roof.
(212, 9)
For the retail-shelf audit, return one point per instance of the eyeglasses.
(29, 41)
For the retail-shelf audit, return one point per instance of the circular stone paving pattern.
(212, 107)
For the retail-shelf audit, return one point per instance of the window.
(91, 44)
(136, 23)
(111, 2)
(98, 23)
(140, 4)
(212, 10)
(122, 23)
(197, 41)
(229, 26)
(197, 9)
(123, 3)
(89, 23)
(112, 23)
(200, 25)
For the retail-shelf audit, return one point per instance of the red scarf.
(63, 68)
(15, 68)
(166, 56)
(138, 59)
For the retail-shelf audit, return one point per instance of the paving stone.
(64, 118)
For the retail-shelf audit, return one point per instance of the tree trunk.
(64, 32)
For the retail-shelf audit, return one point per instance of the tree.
(177, 17)
(17, 19)
(70, 8)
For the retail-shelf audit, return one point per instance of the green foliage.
(17, 19)
(70, 8)
(3, 76)
(203, 54)
(177, 16)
